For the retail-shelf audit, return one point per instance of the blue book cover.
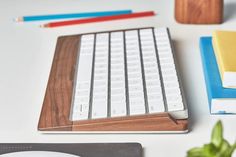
(221, 100)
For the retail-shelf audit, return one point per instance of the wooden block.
(199, 11)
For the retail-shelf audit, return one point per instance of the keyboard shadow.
(192, 115)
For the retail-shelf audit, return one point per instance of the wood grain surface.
(56, 106)
(55, 114)
(149, 122)
(199, 11)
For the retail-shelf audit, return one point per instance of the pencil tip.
(43, 26)
(19, 19)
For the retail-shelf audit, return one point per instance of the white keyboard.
(126, 73)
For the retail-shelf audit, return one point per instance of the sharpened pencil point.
(44, 26)
(19, 19)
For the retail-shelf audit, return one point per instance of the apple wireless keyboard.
(129, 76)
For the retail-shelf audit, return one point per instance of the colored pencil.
(73, 15)
(99, 19)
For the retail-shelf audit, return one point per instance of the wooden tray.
(57, 102)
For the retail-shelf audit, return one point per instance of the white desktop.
(26, 53)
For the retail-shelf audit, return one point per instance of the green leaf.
(195, 152)
(217, 134)
(218, 147)
(210, 150)
(224, 150)
(231, 150)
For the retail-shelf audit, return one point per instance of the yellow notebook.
(224, 43)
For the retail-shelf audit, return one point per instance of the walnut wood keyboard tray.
(56, 110)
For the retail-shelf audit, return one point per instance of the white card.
(37, 154)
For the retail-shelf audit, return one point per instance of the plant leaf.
(219, 147)
(210, 150)
(217, 134)
(231, 150)
(224, 150)
(195, 152)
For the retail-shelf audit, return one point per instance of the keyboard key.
(80, 105)
(118, 89)
(134, 73)
(149, 58)
(99, 103)
(168, 65)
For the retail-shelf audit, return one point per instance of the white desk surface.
(26, 53)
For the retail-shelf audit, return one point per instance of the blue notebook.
(221, 100)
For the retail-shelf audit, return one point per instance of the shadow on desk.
(229, 11)
(192, 115)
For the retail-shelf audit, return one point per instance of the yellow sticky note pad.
(224, 43)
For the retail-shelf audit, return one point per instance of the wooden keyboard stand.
(55, 114)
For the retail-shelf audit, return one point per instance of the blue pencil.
(73, 15)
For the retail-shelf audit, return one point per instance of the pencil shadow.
(192, 117)
(229, 10)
